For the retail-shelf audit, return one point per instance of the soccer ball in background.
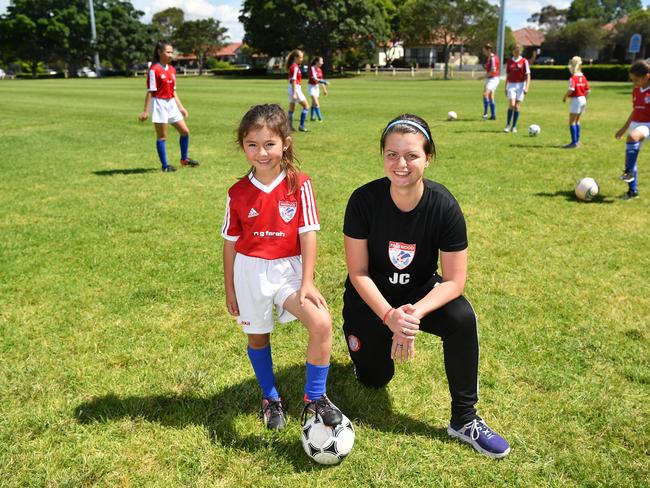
(586, 189)
(327, 445)
(534, 130)
(451, 115)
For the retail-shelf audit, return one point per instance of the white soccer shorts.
(577, 105)
(643, 127)
(313, 90)
(165, 111)
(262, 283)
(515, 91)
(492, 83)
(301, 96)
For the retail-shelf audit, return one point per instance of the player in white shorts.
(295, 91)
(517, 84)
(269, 256)
(577, 95)
(315, 80)
(491, 82)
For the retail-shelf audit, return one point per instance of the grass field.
(119, 365)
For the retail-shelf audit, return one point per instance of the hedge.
(239, 72)
(596, 72)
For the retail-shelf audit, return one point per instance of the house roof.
(229, 49)
(528, 37)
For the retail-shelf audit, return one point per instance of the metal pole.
(501, 34)
(93, 31)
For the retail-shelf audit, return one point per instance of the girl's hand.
(402, 349)
(143, 116)
(309, 292)
(620, 133)
(402, 322)
(564, 99)
(231, 303)
(184, 112)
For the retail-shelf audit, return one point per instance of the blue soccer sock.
(263, 366)
(303, 117)
(185, 145)
(633, 184)
(312, 113)
(316, 381)
(509, 116)
(162, 152)
(577, 132)
(318, 114)
(515, 118)
(572, 129)
(290, 116)
(493, 109)
(486, 103)
(631, 155)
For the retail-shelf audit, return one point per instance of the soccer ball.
(327, 445)
(534, 130)
(451, 115)
(586, 189)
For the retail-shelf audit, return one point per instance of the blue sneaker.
(482, 438)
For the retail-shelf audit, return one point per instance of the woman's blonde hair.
(574, 64)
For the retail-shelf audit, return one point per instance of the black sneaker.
(189, 162)
(273, 414)
(168, 169)
(302, 128)
(627, 177)
(325, 409)
(630, 195)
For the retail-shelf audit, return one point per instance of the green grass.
(119, 365)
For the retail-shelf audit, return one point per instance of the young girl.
(166, 106)
(269, 255)
(295, 90)
(491, 82)
(639, 124)
(315, 80)
(518, 82)
(577, 92)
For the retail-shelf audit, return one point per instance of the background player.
(491, 83)
(166, 106)
(577, 94)
(638, 123)
(269, 256)
(295, 90)
(315, 80)
(394, 230)
(517, 84)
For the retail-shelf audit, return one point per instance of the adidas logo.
(252, 213)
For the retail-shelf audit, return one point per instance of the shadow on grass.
(218, 413)
(570, 196)
(130, 171)
(538, 146)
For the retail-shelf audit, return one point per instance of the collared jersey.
(517, 70)
(295, 74)
(162, 81)
(265, 221)
(403, 246)
(578, 85)
(492, 65)
(641, 104)
(315, 75)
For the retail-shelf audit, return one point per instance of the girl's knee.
(635, 136)
(259, 341)
(320, 326)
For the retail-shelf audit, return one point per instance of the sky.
(227, 11)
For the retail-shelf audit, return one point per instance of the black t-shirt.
(403, 246)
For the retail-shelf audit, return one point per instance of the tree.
(637, 23)
(549, 17)
(198, 37)
(576, 37)
(603, 10)
(168, 21)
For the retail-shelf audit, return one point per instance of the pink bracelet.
(383, 321)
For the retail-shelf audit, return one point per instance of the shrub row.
(239, 72)
(596, 72)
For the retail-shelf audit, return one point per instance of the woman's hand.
(402, 321)
(402, 349)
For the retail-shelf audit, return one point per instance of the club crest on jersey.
(287, 210)
(401, 254)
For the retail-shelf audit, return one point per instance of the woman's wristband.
(383, 320)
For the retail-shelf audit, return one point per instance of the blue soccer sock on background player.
(315, 381)
(290, 116)
(574, 133)
(303, 117)
(184, 142)
(509, 116)
(162, 152)
(312, 113)
(631, 155)
(493, 109)
(515, 118)
(262, 362)
(486, 103)
(318, 114)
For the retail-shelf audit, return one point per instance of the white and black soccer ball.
(534, 130)
(586, 189)
(451, 115)
(327, 445)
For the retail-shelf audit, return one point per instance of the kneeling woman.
(395, 228)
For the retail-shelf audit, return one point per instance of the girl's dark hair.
(292, 57)
(314, 60)
(160, 45)
(274, 118)
(489, 46)
(640, 68)
(429, 146)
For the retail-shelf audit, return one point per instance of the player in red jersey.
(166, 106)
(269, 256)
(638, 124)
(577, 93)
(295, 90)
(491, 82)
(315, 80)
(518, 82)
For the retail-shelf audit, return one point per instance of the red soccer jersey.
(578, 85)
(517, 70)
(295, 74)
(641, 104)
(492, 66)
(315, 75)
(162, 81)
(265, 220)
